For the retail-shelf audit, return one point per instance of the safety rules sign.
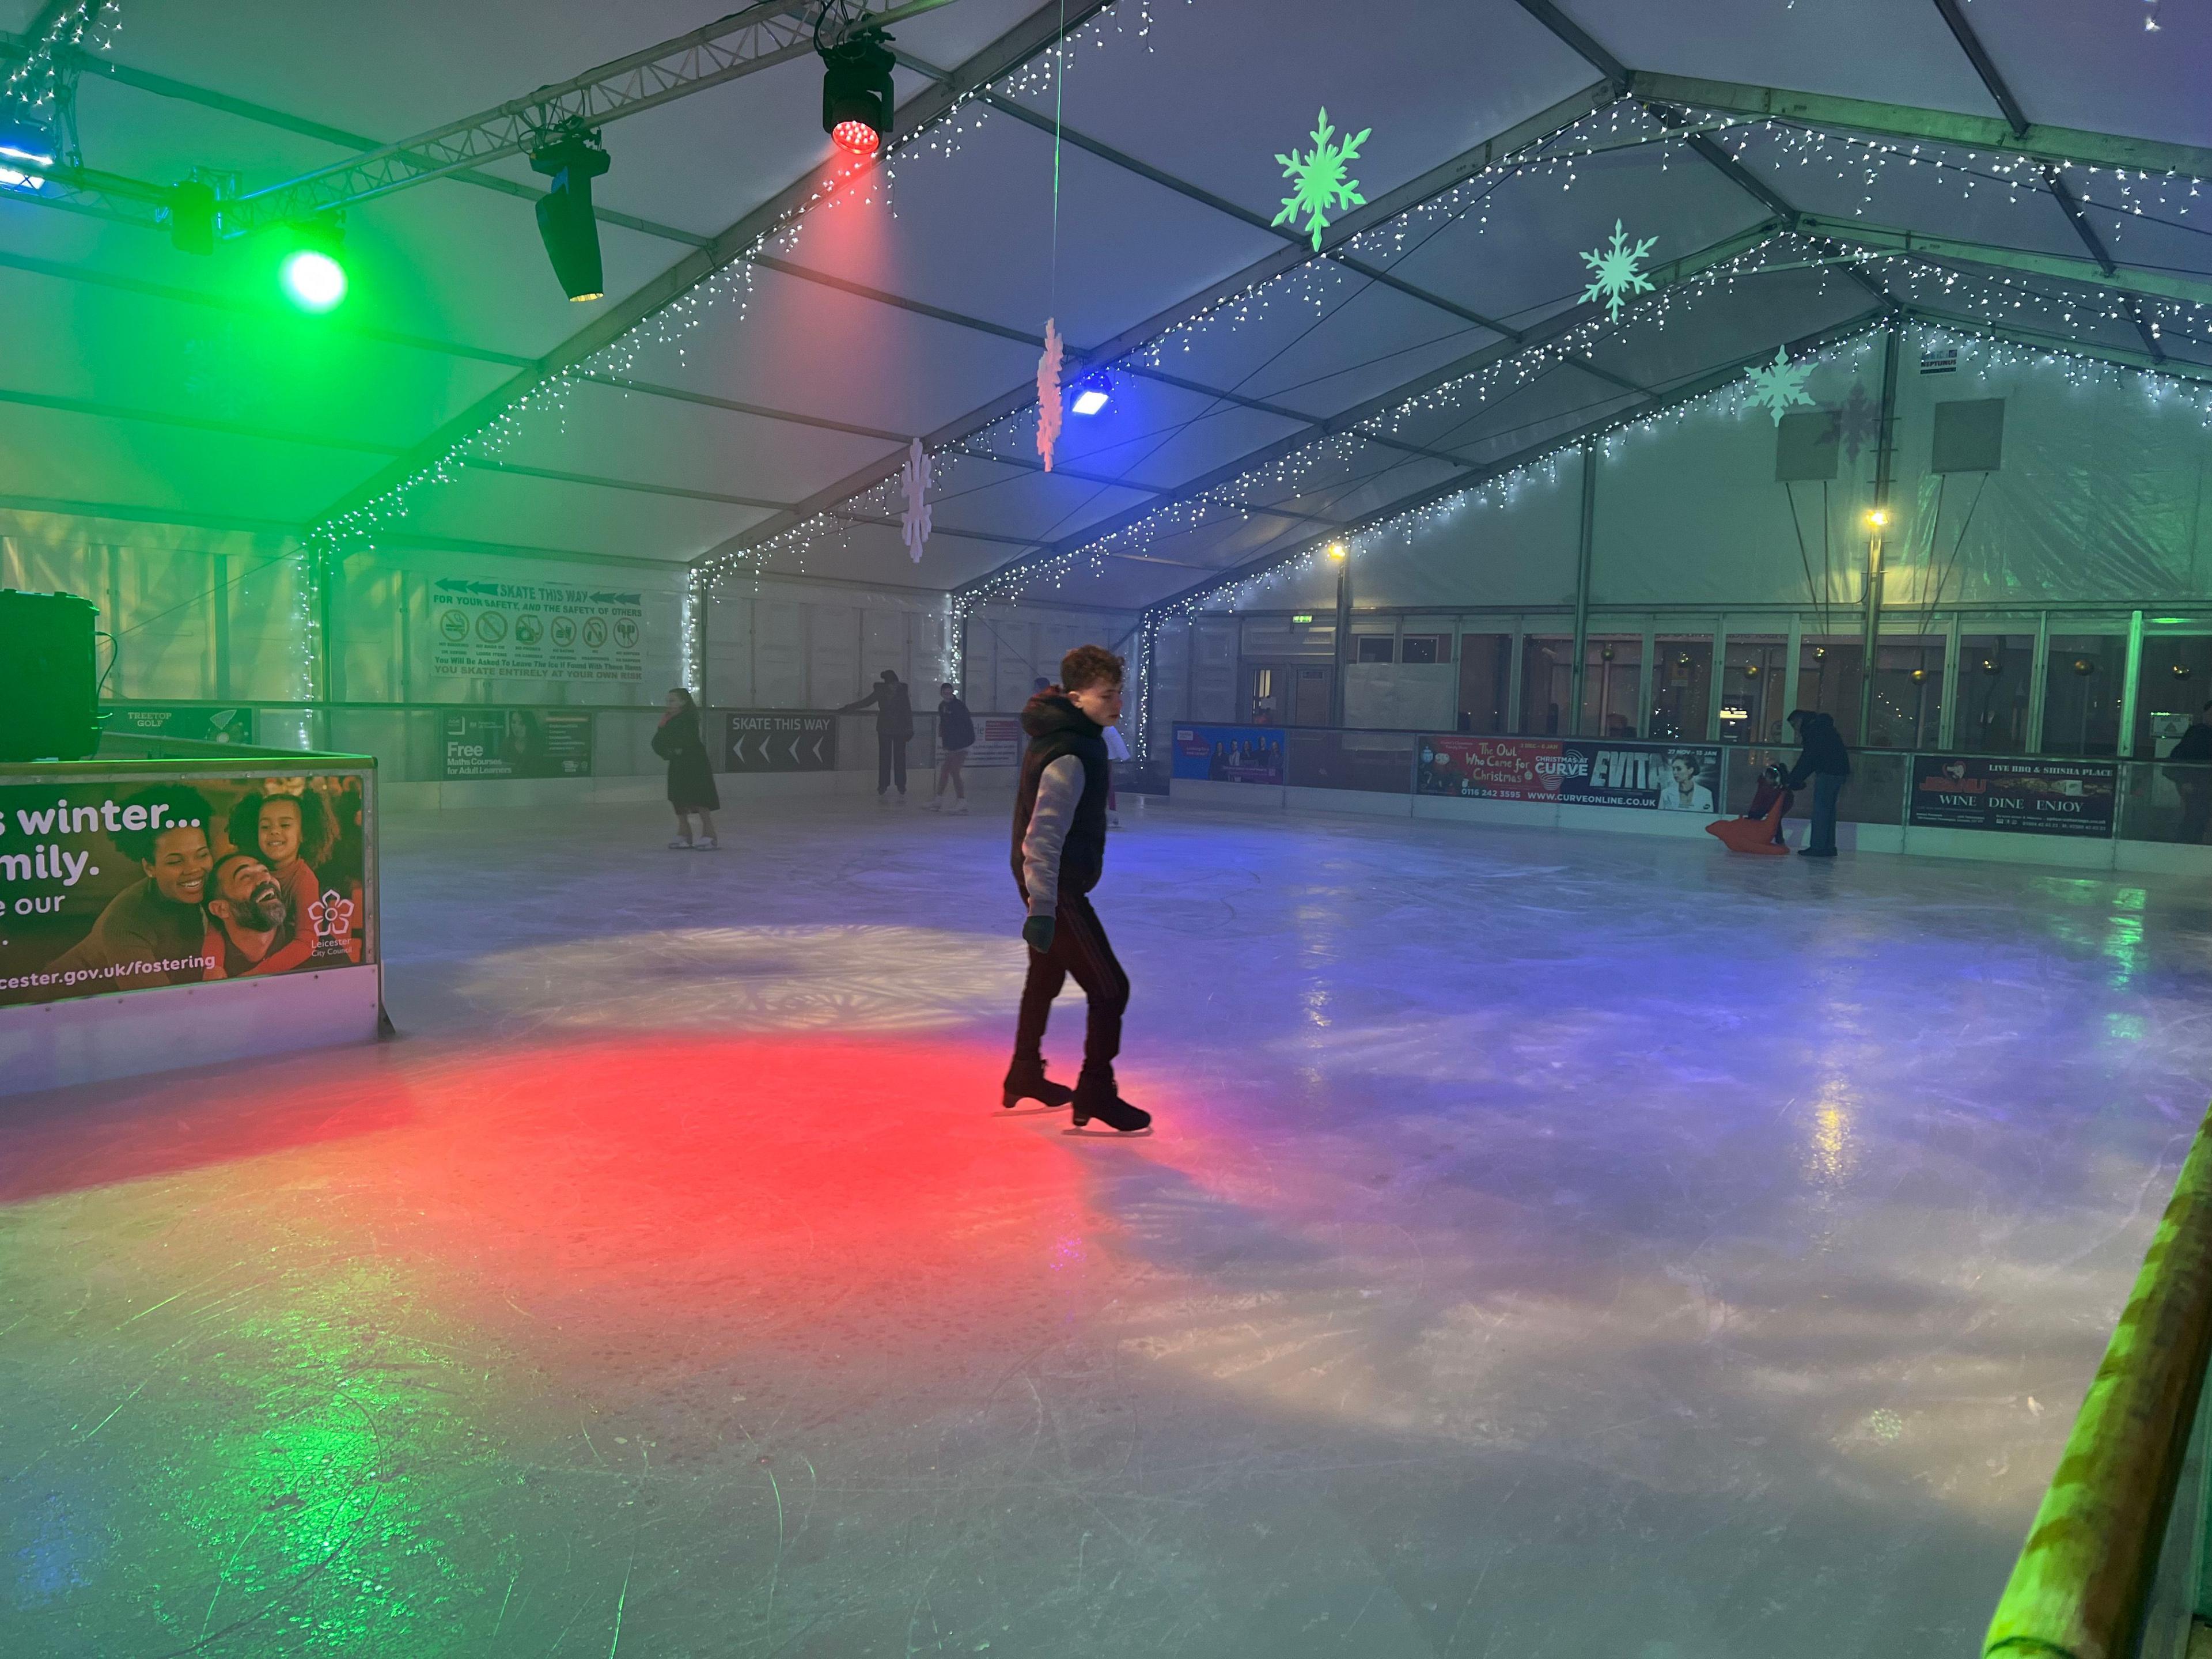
(535, 631)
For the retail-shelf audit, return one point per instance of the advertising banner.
(535, 631)
(199, 725)
(2025, 796)
(1575, 771)
(998, 741)
(1228, 754)
(764, 742)
(120, 887)
(518, 742)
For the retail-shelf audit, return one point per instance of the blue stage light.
(1089, 399)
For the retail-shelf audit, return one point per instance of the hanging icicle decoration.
(1049, 393)
(914, 479)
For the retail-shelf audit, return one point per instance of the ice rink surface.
(1552, 1244)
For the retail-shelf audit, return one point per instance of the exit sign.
(1303, 616)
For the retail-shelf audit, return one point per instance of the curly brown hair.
(317, 833)
(1091, 665)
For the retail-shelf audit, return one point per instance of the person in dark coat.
(691, 773)
(1827, 763)
(1059, 853)
(2194, 782)
(955, 736)
(894, 730)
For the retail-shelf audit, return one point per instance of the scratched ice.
(1551, 1245)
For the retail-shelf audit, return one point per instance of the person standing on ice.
(1059, 853)
(1827, 763)
(894, 730)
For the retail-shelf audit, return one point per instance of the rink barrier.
(2131, 808)
(58, 1031)
(2113, 1568)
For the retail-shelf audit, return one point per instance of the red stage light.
(856, 138)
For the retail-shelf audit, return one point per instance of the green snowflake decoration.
(1318, 185)
(1776, 385)
(1616, 271)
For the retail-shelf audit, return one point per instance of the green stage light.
(313, 280)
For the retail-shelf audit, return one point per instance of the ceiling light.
(310, 275)
(856, 91)
(25, 139)
(1089, 399)
(566, 222)
(313, 280)
(1336, 551)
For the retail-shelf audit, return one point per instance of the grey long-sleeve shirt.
(1058, 791)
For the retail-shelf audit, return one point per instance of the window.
(1425, 647)
(1993, 672)
(1547, 682)
(1828, 680)
(2081, 702)
(1486, 672)
(1681, 687)
(1908, 693)
(1613, 671)
(1751, 688)
(2177, 682)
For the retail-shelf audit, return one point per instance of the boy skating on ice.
(1059, 853)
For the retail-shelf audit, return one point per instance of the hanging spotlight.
(565, 220)
(856, 90)
(1090, 396)
(24, 138)
(312, 277)
(26, 148)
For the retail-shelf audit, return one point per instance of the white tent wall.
(2098, 508)
(1010, 647)
(786, 642)
(2100, 499)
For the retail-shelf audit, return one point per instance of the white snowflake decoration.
(914, 480)
(1776, 385)
(1616, 273)
(1048, 392)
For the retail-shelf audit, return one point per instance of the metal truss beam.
(2064, 345)
(2016, 121)
(1408, 196)
(1584, 46)
(766, 33)
(1351, 419)
(2154, 284)
(1035, 33)
(2056, 145)
(1655, 402)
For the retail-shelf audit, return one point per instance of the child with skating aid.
(1759, 829)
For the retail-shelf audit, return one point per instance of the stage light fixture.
(1090, 397)
(25, 139)
(310, 275)
(1337, 550)
(1877, 518)
(565, 220)
(856, 91)
(192, 217)
(26, 148)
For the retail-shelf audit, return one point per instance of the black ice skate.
(1094, 1097)
(1030, 1082)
